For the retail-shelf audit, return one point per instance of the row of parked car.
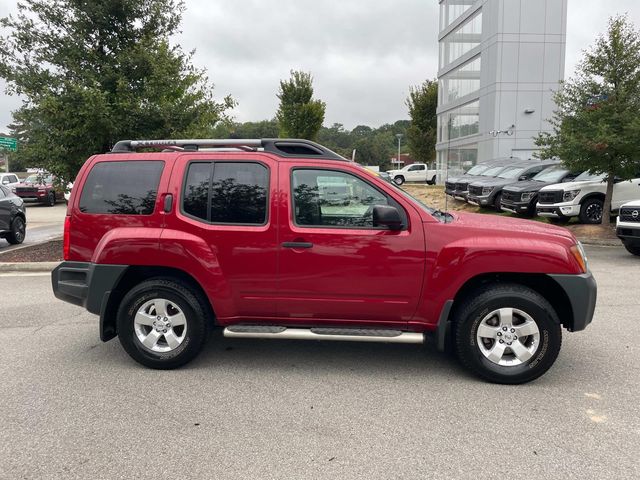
(549, 189)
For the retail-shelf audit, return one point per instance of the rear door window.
(122, 188)
(227, 192)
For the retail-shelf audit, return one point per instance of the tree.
(299, 116)
(421, 133)
(92, 73)
(597, 122)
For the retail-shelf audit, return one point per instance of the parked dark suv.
(521, 197)
(13, 219)
(488, 192)
(285, 239)
(458, 187)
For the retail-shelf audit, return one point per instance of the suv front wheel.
(591, 211)
(162, 323)
(399, 179)
(507, 333)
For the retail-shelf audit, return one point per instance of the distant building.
(500, 60)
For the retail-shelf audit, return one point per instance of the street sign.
(8, 143)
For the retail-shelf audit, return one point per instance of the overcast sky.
(363, 54)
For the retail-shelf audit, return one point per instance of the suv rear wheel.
(507, 333)
(51, 199)
(162, 323)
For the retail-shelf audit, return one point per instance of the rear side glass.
(236, 192)
(122, 188)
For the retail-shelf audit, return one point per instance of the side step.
(332, 334)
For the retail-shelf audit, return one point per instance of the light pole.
(399, 137)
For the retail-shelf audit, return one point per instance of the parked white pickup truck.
(416, 172)
(584, 198)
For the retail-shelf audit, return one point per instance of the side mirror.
(386, 216)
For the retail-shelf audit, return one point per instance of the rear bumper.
(87, 285)
(582, 292)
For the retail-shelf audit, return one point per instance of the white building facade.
(499, 63)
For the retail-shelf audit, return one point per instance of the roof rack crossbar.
(284, 147)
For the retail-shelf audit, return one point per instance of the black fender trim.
(582, 292)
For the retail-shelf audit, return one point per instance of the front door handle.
(297, 244)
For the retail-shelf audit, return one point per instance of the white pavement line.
(25, 274)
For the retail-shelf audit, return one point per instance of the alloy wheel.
(160, 325)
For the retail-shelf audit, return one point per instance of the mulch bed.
(46, 252)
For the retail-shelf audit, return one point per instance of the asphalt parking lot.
(73, 407)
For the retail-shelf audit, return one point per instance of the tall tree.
(95, 72)
(597, 122)
(299, 115)
(421, 133)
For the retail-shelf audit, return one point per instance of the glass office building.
(499, 62)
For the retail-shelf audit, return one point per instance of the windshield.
(588, 176)
(38, 179)
(477, 170)
(553, 174)
(511, 172)
(493, 171)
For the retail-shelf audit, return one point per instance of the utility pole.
(399, 137)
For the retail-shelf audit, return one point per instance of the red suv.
(40, 188)
(285, 239)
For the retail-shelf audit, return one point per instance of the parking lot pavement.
(43, 223)
(73, 407)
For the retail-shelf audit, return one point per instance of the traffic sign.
(8, 143)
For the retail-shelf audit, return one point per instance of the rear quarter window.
(122, 188)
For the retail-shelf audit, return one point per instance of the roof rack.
(283, 147)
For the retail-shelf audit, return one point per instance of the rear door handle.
(297, 244)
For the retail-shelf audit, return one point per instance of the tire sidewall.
(13, 238)
(399, 180)
(545, 355)
(127, 336)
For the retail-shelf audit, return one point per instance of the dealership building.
(499, 62)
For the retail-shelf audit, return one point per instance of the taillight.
(66, 244)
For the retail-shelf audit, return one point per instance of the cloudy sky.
(363, 54)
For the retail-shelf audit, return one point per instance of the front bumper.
(515, 207)
(88, 285)
(558, 210)
(582, 292)
(482, 201)
(628, 233)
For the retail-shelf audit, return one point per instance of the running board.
(323, 333)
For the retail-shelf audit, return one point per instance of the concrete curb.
(31, 267)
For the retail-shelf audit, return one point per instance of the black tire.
(484, 301)
(591, 211)
(51, 199)
(432, 181)
(399, 179)
(633, 249)
(497, 201)
(192, 304)
(18, 231)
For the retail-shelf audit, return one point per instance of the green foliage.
(95, 72)
(262, 129)
(299, 116)
(421, 134)
(597, 122)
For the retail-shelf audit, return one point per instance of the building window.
(451, 10)
(462, 40)
(456, 161)
(460, 122)
(460, 82)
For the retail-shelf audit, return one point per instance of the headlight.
(487, 190)
(527, 196)
(570, 195)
